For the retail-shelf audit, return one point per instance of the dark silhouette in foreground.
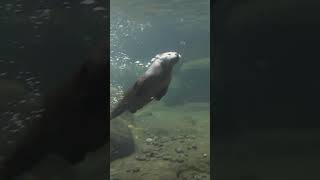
(74, 123)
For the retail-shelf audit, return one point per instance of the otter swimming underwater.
(153, 84)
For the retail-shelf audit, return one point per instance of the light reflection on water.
(121, 31)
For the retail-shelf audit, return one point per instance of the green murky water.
(171, 137)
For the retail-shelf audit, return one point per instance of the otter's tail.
(117, 111)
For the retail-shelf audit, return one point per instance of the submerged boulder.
(202, 65)
(191, 83)
(121, 139)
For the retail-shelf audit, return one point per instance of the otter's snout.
(179, 55)
(168, 57)
(176, 55)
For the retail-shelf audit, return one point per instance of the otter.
(153, 84)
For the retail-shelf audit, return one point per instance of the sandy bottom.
(172, 143)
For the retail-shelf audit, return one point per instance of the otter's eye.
(169, 54)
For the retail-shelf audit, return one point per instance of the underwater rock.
(167, 157)
(191, 83)
(121, 140)
(194, 146)
(149, 140)
(179, 150)
(179, 160)
(199, 65)
(164, 139)
(141, 158)
(135, 170)
(205, 155)
(194, 175)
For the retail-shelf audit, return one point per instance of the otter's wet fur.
(153, 84)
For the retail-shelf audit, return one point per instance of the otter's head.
(167, 58)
